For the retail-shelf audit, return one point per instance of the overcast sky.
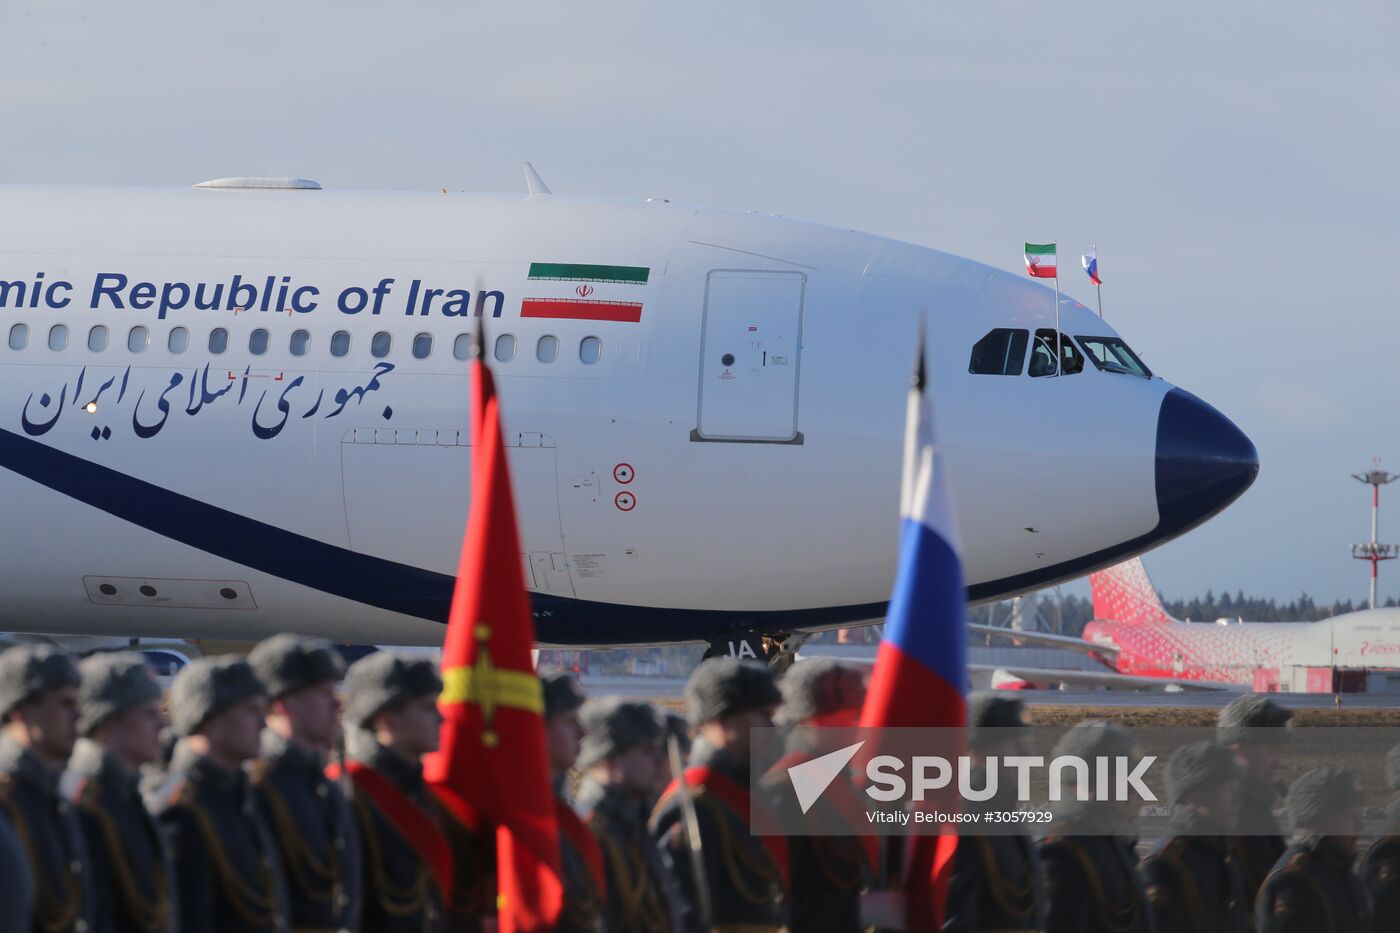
(1235, 163)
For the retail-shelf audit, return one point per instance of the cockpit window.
(1043, 355)
(1112, 355)
(1001, 353)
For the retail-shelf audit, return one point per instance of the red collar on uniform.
(737, 799)
(847, 803)
(420, 829)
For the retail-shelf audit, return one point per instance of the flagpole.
(1098, 287)
(1057, 308)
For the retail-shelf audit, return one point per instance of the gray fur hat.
(726, 686)
(386, 679)
(561, 694)
(613, 725)
(206, 687)
(1392, 768)
(1095, 738)
(112, 684)
(29, 670)
(676, 725)
(1245, 717)
(288, 663)
(1319, 798)
(819, 687)
(1197, 765)
(991, 715)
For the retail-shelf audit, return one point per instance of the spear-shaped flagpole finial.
(479, 335)
(920, 372)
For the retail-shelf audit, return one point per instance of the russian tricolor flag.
(920, 675)
(1091, 264)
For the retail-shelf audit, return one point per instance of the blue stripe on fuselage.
(375, 581)
(276, 551)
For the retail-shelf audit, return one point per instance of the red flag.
(492, 769)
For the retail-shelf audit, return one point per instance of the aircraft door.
(749, 357)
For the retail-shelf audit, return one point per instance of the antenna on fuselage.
(533, 182)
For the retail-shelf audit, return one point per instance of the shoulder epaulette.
(168, 792)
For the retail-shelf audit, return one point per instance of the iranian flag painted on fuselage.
(1040, 260)
(586, 292)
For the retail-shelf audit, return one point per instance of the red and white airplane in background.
(1134, 636)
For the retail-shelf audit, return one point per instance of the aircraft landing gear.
(778, 650)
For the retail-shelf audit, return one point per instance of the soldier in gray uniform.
(1089, 863)
(1380, 868)
(228, 876)
(581, 860)
(392, 721)
(39, 708)
(827, 874)
(308, 812)
(121, 721)
(724, 699)
(620, 760)
(1312, 887)
(1193, 881)
(1256, 729)
(992, 885)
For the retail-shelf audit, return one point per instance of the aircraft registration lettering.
(39, 417)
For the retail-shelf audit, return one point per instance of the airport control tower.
(1373, 550)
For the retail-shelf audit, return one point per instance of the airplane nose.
(1204, 462)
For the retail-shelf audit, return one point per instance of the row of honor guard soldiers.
(248, 830)
(255, 828)
(1202, 875)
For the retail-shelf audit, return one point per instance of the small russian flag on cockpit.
(1091, 264)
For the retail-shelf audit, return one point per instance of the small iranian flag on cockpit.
(1040, 260)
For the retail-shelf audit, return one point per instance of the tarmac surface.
(663, 688)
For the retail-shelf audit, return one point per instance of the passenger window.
(462, 347)
(379, 346)
(58, 337)
(218, 340)
(547, 350)
(301, 339)
(340, 343)
(1043, 355)
(19, 336)
(589, 349)
(422, 346)
(97, 338)
(1112, 355)
(257, 342)
(1001, 353)
(505, 348)
(179, 340)
(137, 339)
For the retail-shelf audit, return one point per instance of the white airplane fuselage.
(709, 443)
